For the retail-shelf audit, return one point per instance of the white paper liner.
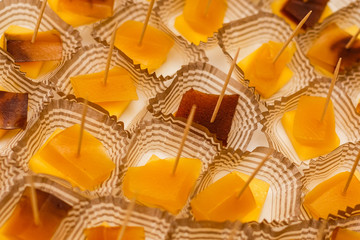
(163, 139)
(186, 229)
(25, 13)
(92, 59)
(346, 120)
(181, 53)
(340, 160)
(63, 114)
(284, 196)
(208, 79)
(13, 189)
(249, 33)
(112, 210)
(168, 10)
(39, 95)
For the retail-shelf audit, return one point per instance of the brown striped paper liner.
(208, 79)
(181, 53)
(346, 121)
(284, 196)
(163, 138)
(25, 13)
(187, 229)
(340, 160)
(65, 113)
(344, 18)
(168, 10)
(38, 95)
(92, 58)
(256, 30)
(156, 223)
(14, 188)
(351, 84)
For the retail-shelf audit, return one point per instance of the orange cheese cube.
(154, 184)
(90, 8)
(268, 77)
(327, 197)
(112, 233)
(87, 171)
(344, 234)
(154, 49)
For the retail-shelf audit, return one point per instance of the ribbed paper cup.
(208, 79)
(91, 59)
(346, 121)
(64, 113)
(187, 229)
(352, 223)
(14, 188)
(351, 84)
(112, 211)
(39, 95)
(321, 169)
(249, 33)
(168, 10)
(25, 13)
(181, 53)
(163, 139)
(284, 196)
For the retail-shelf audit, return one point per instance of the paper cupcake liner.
(39, 95)
(186, 229)
(169, 10)
(63, 114)
(284, 196)
(340, 160)
(25, 13)
(352, 223)
(112, 210)
(351, 84)
(344, 18)
(92, 59)
(346, 120)
(208, 79)
(14, 188)
(249, 33)
(163, 139)
(181, 53)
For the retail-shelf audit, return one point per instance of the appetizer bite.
(344, 234)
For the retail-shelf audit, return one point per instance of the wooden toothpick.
(328, 97)
(352, 40)
(34, 202)
(217, 107)
(112, 42)
(186, 131)
(127, 218)
(83, 118)
(254, 173)
(146, 21)
(36, 29)
(353, 169)
(297, 29)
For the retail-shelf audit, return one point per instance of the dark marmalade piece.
(13, 110)
(21, 225)
(205, 106)
(297, 9)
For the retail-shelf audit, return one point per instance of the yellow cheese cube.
(344, 234)
(112, 233)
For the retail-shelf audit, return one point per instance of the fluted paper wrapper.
(346, 121)
(351, 84)
(340, 160)
(249, 33)
(64, 113)
(38, 95)
(352, 223)
(112, 211)
(181, 53)
(163, 139)
(13, 189)
(187, 229)
(168, 10)
(91, 59)
(208, 79)
(25, 13)
(284, 196)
